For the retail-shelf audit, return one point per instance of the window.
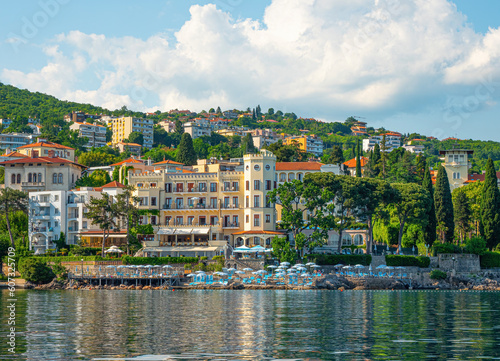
(40, 177)
(268, 167)
(30, 179)
(235, 186)
(256, 167)
(227, 186)
(72, 178)
(84, 224)
(153, 220)
(202, 187)
(247, 201)
(213, 202)
(256, 201)
(247, 185)
(168, 203)
(202, 220)
(226, 202)
(450, 159)
(60, 178)
(179, 187)
(190, 220)
(256, 185)
(19, 178)
(153, 201)
(213, 187)
(179, 203)
(168, 187)
(268, 202)
(256, 220)
(13, 179)
(268, 218)
(235, 221)
(143, 201)
(54, 178)
(268, 185)
(56, 198)
(167, 220)
(235, 202)
(247, 218)
(179, 220)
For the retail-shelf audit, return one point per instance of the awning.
(182, 249)
(183, 231)
(200, 230)
(166, 231)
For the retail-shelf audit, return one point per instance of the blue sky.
(413, 66)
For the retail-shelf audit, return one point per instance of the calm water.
(333, 325)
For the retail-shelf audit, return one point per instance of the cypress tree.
(462, 213)
(490, 207)
(358, 160)
(444, 206)
(186, 153)
(247, 144)
(376, 160)
(430, 227)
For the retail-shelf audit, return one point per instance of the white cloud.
(323, 56)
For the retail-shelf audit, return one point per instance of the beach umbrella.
(316, 266)
(191, 275)
(110, 266)
(311, 264)
(389, 267)
(359, 266)
(382, 266)
(167, 266)
(285, 264)
(240, 272)
(199, 272)
(370, 268)
(231, 269)
(272, 266)
(122, 266)
(347, 267)
(298, 265)
(339, 265)
(305, 275)
(248, 269)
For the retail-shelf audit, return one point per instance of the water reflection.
(359, 325)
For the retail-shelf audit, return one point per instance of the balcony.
(33, 184)
(190, 190)
(73, 229)
(229, 189)
(230, 206)
(42, 215)
(194, 207)
(230, 225)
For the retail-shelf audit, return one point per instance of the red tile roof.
(45, 144)
(352, 163)
(259, 232)
(168, 161)
(15, 154)
(280, 166)
(113, 184)
(126, 161)
(47, 160)
(479, 177)
(131, 144)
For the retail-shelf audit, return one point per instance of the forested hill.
(21, 104)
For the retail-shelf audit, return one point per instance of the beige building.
(43, 148)
(456, 164)
(208, 210)
(133, 148)
(124, 126)
(94, 132)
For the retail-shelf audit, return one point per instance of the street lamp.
(82, 267)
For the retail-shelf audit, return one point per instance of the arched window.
(54, 178)
(30, 179)
(358, 240)
(346, 239)
(72, 178)
(34, 178)
(13, 179)
(40, 177)
(59, 178)
(19, 178)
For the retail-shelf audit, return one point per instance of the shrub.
(438, 275)
(444, 248)
(214, 267)
(158, 260)
(60, 271)
(188, 266)
(218, 258)
(476, 245)
(324, 259)
(35, 270)
(84, 251)
(407, 261)
(203, 258)
(490, 260)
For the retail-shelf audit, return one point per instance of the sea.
(249, 325)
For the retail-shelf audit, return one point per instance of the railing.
(230, 225)
(229, 189)
(230, 206)
(187, 206)
(33, 184)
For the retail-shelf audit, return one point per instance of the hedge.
(490, 260)
(66, 258)
(347, 259)
(438, 275)
(407, 261)
(158, 260)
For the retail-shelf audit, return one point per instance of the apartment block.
(124, 126)
(392, 141)
(15, 140)
(196, 130)
(95, 133)
(307, 143)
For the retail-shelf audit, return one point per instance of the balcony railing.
(188, 206)
(230, 225)
(33, 184)
(229, 189)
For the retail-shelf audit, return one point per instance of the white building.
(167, 125)
(94, 132)
(417, 149)
(392, 141)
(196, 130)
(15, 140)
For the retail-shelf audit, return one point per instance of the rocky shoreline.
(328, 282)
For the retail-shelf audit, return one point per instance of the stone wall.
(459, 262)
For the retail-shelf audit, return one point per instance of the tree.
(383, 156)
(104, 213)
(490, 207)
(179, 129)
(61, 242)
(462, 213)
(283, 250)
(336, 155)
(247, 144)
(373, 167)
(12, 200)
(186, 153)
(127, 204)
(35, 270)
(358, 160)
(98, 178)
(444, 206)
(411, 204)
(135, 137)
(218, 111)
(430, 226)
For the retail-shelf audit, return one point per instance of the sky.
(426, 66)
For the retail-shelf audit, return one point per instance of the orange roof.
(259, 232)
(393, 134)
(132, 144)
(113, 184)
(184, 170)
(298, 166)
(168, 161)
(126, 161)
(16, 154)
(47, 160)
(45, 144)
(95, 125)
(352, 163)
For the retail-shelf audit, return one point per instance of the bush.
(84, 251)
(324, 259)
(158, 260)
(218, 258)
(203, 258)
(476, 245)
(60, 271)
(407, 261)
(444, 248)
(68, 258)
(35, 270)
(490, 260)
(188, 266)
(438, 275)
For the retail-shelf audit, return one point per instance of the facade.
(44, 148)
(124, 126)
(456, 164)
(415, 148)
(133, 148)
(167, 125)
(5, 122)
(264, 137)
(307, 143)
(196, 130)
(34, 174)
(350, 165)
(359, 128)
(94, 132)
(14, 140)
(392, 141)
(207, 211)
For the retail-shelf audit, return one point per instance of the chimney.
(34, 154)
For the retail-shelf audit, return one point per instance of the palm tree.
(104, 213)
(12, 200)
